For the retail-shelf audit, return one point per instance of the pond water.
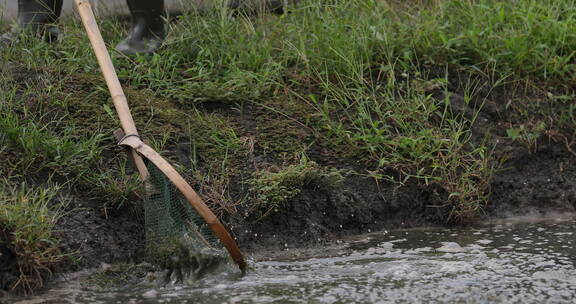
(509, 262)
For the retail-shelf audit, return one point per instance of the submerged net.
(176, 235)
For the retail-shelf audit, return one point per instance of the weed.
(114, 186)
(528, 136)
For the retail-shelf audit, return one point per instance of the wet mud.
(535, 181)
(92, 234)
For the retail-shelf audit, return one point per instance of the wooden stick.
(105, 62)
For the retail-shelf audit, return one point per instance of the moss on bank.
(432, 95)
(275, 186)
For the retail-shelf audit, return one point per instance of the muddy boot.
(147, 31)
(38, 16)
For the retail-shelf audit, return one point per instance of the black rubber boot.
(38, 16)
(147, 31)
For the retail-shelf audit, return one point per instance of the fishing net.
(177, 237)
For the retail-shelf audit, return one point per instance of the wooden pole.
(105, 62)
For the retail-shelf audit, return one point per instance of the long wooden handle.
(109, 73)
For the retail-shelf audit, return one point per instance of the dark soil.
(8, 263)
(93, 235)
(361, 205)
(535, 183)
(88, 235)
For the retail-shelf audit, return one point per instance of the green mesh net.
(175, 232)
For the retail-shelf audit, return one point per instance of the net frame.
(194, 201)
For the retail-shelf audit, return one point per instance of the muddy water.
(504, 263)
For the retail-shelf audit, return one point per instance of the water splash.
(505, 263)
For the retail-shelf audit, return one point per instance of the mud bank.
(535, 182)
(528, 184)
(530, 180)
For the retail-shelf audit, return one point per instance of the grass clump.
(533, 38)
(273, 187)
(415, 135)
(27, 218)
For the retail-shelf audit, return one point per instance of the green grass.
(351, 81)
(28, 215)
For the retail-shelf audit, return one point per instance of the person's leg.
(147, 31)
(37, 15)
